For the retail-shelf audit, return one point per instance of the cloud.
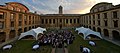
(69, 6)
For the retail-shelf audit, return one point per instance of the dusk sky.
(51, 6)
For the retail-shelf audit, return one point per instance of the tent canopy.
(33, 32)
(86, 32)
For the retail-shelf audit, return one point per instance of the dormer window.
(1, 15)
(18, 9)
(12, 8)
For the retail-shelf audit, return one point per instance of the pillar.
(27, 22)
(16, 32)
(16, 23)
(7, 35)
(23, 23)
(110, 34)
(7, 26)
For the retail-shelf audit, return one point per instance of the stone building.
(60, 20)
(104, 18)
(14, 19)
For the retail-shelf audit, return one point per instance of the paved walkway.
(59, 50)
(53, 50)
(113, 41)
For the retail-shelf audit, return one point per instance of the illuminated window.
(1, 15)
(12, 16)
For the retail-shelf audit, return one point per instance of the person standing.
(81, 48)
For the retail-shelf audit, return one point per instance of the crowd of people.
(57, 38)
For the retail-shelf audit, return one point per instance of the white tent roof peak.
(33, 32)
(86, 32)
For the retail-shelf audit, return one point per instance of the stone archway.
(12, 34)
(2, 37)
(32, 27)
(98, 30)
(116, 35)
(106, 32)
(19, 31)
(94, 29)
(90, 27)
(25, 29)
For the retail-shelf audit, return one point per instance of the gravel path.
(59, 50)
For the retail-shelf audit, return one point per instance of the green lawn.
(102, 46)
(25, 46)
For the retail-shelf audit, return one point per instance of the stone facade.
(60, 20)
(104, 18)
(15, 18)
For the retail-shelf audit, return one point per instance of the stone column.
(102, 20)
(65, 22)
(48, 23)
(27, 22)
(109, 17)
(31, 21)
(16, 24)
(119, 19)
(7, 35)
(23, 22)
(102, 32)
(56, 23)
(7, 24)
(110, 34)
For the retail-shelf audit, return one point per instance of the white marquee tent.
(42, 29)
(33, 32)
(86, 32)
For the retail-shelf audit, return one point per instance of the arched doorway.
(60, 26)
(2, 37)
(116, 35)
(19, 31)
(29, 28)
(32, 27)
(90, 27)
(25, 29)
(99, 30)
(94, 29)
(12, 34)
(106, 33)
